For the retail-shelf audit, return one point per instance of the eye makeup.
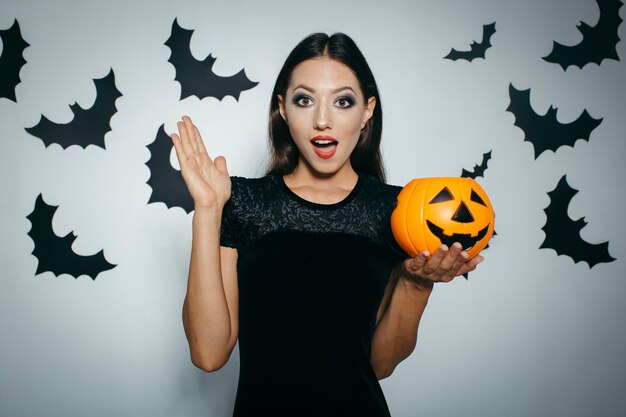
(301, 100)
(343, 102)
(348, 101)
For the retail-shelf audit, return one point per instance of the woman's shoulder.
(253, 189)
(252, 182)
(373, 185)
(377, 197)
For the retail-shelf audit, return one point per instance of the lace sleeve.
(230, 235)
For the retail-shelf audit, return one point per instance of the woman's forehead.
(323, 73)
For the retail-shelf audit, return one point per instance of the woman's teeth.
(323, 143)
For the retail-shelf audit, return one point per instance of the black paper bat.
(598, 42)
(168, 185)
(197, 77)
(12, 60)
(563, 233)
(479, 170)
(55, 253)
(546, 132)
(88, 126)
(477, 50)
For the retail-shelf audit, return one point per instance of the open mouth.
(466, 240)
(325, 147)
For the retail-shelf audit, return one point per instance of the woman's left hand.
(443, 266)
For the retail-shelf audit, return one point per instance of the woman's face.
(325, 110)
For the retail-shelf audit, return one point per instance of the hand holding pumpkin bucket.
(444, 210)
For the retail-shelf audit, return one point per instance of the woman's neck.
(321, 188)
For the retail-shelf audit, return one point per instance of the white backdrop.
(530, 333)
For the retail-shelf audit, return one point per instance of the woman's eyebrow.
(312, 90)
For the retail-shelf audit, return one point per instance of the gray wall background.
(531, 333)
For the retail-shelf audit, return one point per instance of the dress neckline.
(290, 193)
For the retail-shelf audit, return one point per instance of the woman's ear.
(281, 108)
(369, 110)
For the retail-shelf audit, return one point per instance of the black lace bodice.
(264, 205)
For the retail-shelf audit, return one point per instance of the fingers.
(178, 146)
(440, 262)
(452, 262)
(455, 258)
(444, 265)
(201, 147)
(185, 139)
(470, 265)
(191, 141)
(220, 164)
(415, 264)
(193, 133)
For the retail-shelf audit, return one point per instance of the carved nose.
(462, 214)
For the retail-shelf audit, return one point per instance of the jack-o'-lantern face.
(432, 211)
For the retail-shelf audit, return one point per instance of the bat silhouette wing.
(598, 43)
(563, 233)
(88, 126)
(168, 185)
(197, 77)
(55, 253)
(546, 132)
(477, 50)
(479, 170)
(12, 60)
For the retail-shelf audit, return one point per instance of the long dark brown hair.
(366, 157)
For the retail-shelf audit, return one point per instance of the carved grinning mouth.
(466, 240)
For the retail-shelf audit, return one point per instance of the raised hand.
(443, 266)
(207, 180)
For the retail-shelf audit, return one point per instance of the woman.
(298, 266)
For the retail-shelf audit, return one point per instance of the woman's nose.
(322, 118)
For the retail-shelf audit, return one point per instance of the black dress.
(311, 278)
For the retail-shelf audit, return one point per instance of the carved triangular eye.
(476, 198)
(443, 195)
(462, 214)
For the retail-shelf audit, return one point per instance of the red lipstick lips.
(324, 146)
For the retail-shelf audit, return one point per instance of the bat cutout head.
(435, 211)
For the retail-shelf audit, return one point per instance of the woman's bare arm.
(406, 296)
(211, 304)
(210, 310)
(399, 317)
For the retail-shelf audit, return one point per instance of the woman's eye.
(345, 102)
(303, 101)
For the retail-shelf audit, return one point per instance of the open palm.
(207, 180)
